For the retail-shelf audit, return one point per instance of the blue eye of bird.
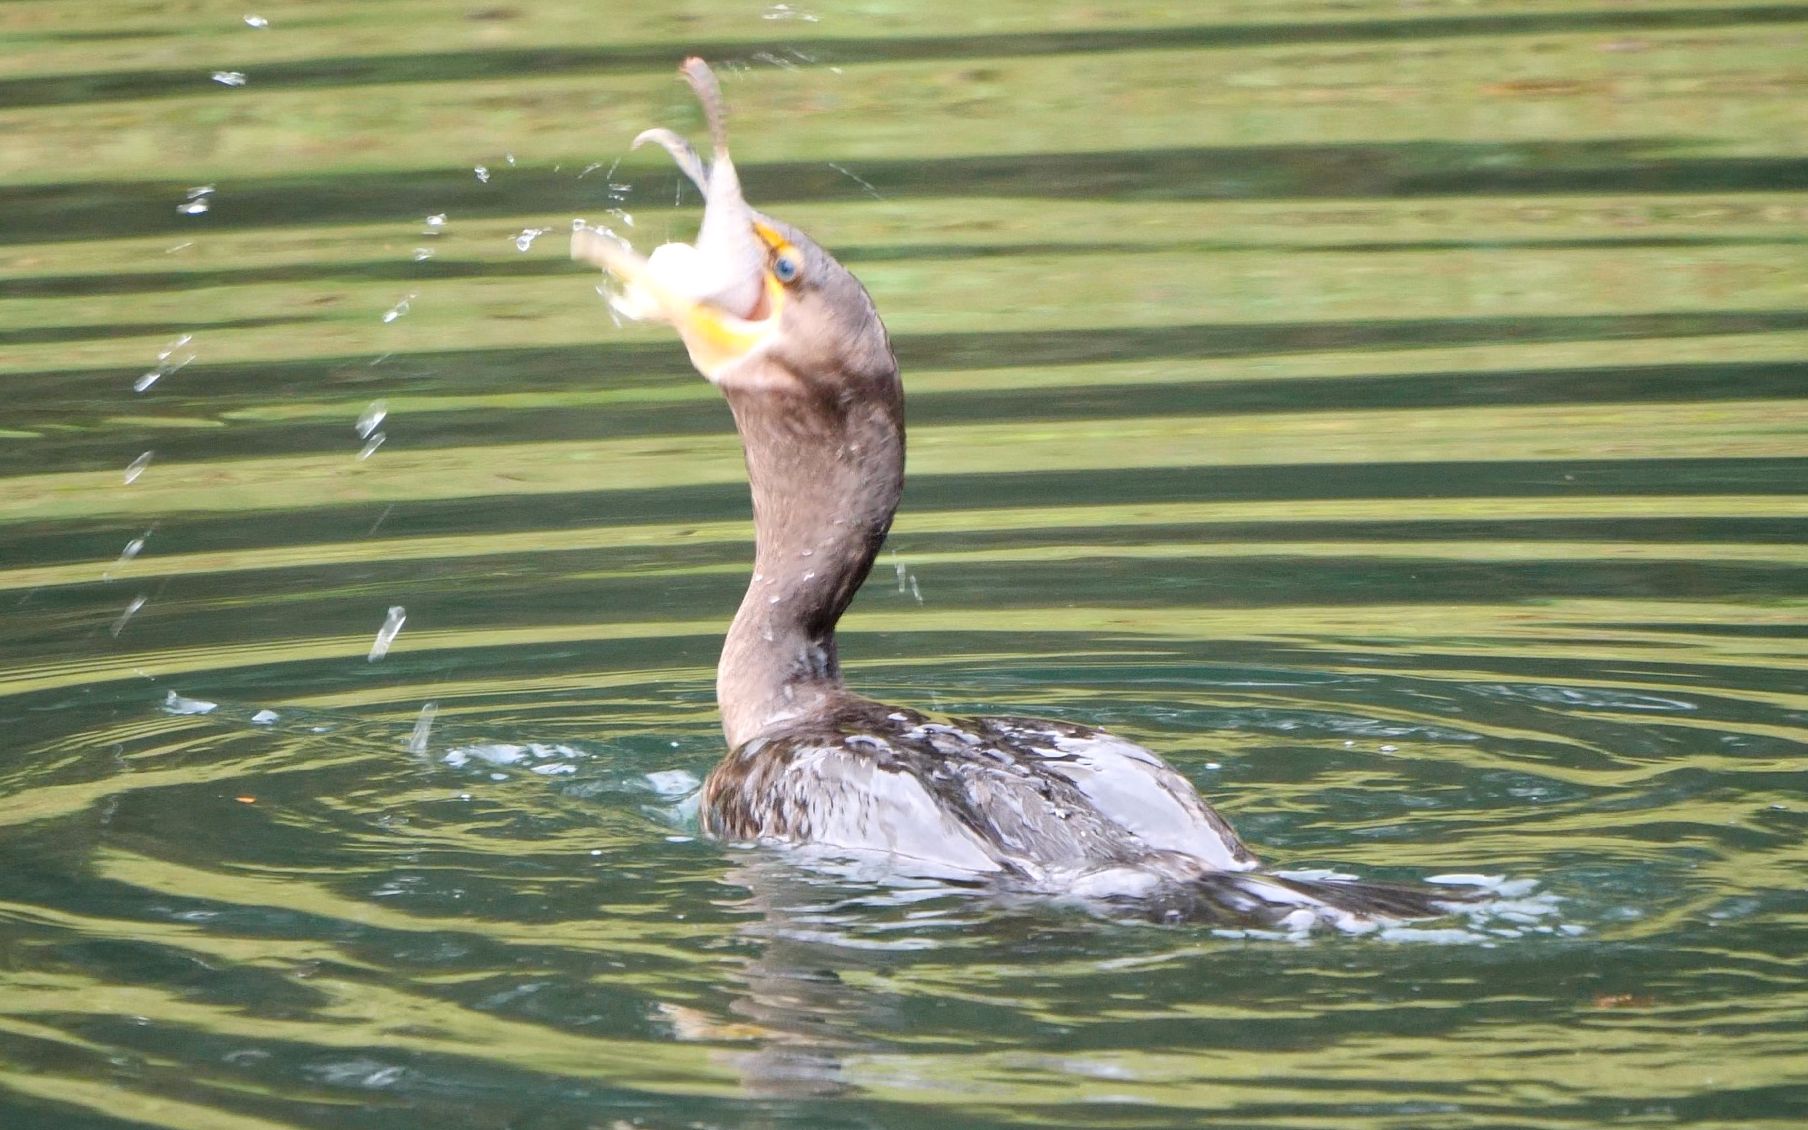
(786, 268)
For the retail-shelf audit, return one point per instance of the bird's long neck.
(827, 467)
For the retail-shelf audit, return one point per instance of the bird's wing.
(1129, 786)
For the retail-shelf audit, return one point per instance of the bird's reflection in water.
(815, 993)
(844, 951)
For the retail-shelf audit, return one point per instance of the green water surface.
(1395, 413)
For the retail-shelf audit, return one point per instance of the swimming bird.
(794, 343)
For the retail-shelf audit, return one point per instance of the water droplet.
(133, 549)
(423, 725)
(787, 12)
(256, 21)
(780, 61)
(132, 608)
(372, 417)
(510, 158)
(195, 200)
(136, 467)
(483, 174)
(857, 179)
(526, 239)
(914, 591)
(171, 358)
(392, 626)
(370, 447)
(229, 78)
(265, 717)
(435, 223)
(174, 703)
(422, 254)
(398, 310)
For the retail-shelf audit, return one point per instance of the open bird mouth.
(720, 292)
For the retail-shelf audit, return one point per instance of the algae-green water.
(1396, 414)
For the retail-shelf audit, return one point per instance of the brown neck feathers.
(826, 464)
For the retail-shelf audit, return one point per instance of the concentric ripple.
(1395, 417)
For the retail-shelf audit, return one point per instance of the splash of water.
(423, 726)
(372, 418)
(196, 201)
(170, 359)
(392, 627)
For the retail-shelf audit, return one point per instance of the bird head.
(756, 302)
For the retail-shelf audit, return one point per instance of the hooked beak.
(719, 293)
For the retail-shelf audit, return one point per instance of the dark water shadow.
(99, 539)
(393, 270)
(619, 364)
(93, 443)
(50, 335)
(164, 282)
(499, 63)
(42, 213)
(1249, 339)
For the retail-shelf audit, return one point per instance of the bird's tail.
(1268, 900)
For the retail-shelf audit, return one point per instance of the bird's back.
(1046, 804)
(1020, 804)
